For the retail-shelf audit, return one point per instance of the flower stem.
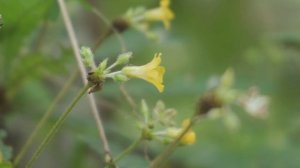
(56, 127)
(109, 24)
(111, 75)
(160, 159)
(95, 111)
(128, 149)
(44, 119)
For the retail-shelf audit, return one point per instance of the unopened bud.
(87, 57)
(124, 58)
(227, 78)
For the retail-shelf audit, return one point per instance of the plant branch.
(75, 46)
(115, 31)
(44, 119)
(56, 127)
(130, 101)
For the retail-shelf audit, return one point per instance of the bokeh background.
(259, 39)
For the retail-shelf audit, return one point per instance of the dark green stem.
(56, 127)
(44, 119)
(128, 150)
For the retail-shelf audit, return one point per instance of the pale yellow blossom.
(151, 72)
(162, 13)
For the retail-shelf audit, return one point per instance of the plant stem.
(95, 111)
(56, 127)
(130, 100)
(111, 75)
(128, 149)
(160, 159)
(44, 119)
(107, 34)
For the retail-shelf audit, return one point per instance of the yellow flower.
(162, 13)
(150, 72)
(189, 138)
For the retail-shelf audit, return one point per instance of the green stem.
(56, 127)
(112, 30)
(128, 150)
(111, 75)
(44, 119)
(160, 159)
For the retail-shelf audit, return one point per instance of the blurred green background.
(260, 39)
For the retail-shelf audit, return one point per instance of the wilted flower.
(162, 13)
(151, 72)
(255, 104)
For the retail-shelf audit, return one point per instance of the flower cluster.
(140, 18)
(217, 102)
(159, 125)
(151, 72)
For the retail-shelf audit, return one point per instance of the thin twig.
(130, 100)
(95, 111)
(44, 119)
(116, 32)
(128, 149)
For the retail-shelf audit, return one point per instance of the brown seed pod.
(207, 102)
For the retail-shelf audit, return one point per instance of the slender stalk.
(44, 119)
(130, 100)
(111, 75)
(56, 127)
(128, 149)
(108, 23)
(160, 159)
(95, 111)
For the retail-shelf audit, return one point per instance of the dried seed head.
(120, 25)
(208, 102)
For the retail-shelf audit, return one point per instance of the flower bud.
(227, 79)
(124, 58)
(102, 66)
(87, 56)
